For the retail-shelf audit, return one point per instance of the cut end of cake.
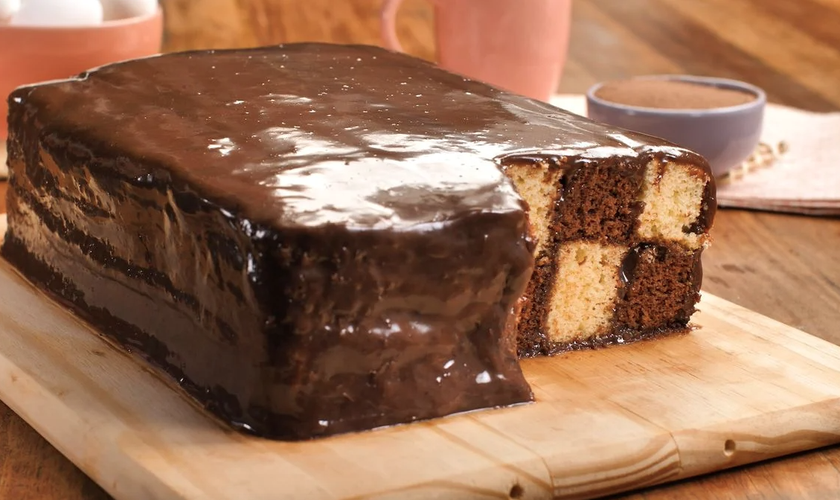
(618, 248)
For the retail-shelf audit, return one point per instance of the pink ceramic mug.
(516, 45)
(30, 54)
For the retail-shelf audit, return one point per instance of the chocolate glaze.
(311, 239)
(311, 134)
(617, 336)
(285, 332)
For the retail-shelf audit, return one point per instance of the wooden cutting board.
(738, 389)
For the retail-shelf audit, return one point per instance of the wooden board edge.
(800, 342)
(16, 385)
(754, 440)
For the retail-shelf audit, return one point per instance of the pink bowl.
(34, 54)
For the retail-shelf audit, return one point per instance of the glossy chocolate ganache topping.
(314, 134)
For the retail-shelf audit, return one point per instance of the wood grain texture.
(247, 23)
(610, 39)
(738, 389)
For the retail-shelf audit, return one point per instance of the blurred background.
(191, 24)
(789, 48)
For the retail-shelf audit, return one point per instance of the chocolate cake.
(314, 239)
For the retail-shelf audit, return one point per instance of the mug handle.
(388, 23)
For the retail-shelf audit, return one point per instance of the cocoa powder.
(671, 94)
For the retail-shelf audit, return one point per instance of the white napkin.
(795, 167)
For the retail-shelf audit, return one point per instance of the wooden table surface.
(783, 266)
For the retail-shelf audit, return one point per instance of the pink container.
(31, 54)
(516, 45)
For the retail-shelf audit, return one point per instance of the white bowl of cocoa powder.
(718, 118)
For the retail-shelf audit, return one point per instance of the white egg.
(122, 9)
(58, 13)
(7, 9)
